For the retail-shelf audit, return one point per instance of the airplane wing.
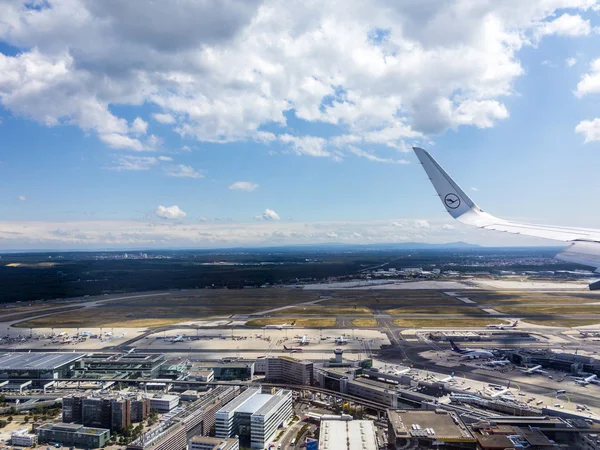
(585, 243)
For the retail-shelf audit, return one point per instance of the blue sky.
(139, 142)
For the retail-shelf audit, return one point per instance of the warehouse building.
(73, 435)
(254, 417)
(211, 443)
(19, 365)
(289, 370)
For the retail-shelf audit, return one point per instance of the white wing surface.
(585, 243)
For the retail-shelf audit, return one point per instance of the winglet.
(457, 202)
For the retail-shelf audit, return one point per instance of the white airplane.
(130, 351)
(341, 340)
(293, 349)
(501, 362)
(531, 370)
(585, 243)
(448, 379)
(178, 339)
(64, 333)
(281, 326)
(502, 326)
(470, 353)
(303, 340)
(584, 381)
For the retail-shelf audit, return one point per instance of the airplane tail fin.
(285, 348)
(515, 324)
(455, 347)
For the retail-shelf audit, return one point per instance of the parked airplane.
(130, 351)
(503, 326)
(585, 243)
(341, 340)
(293, 349)
(448, 379)
(470, 353)
(280, 326)
(588, 333)
(531, 370)
(584, 381)
(501, 362)
(178, 339)
(302, 340)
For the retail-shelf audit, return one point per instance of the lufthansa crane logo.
(452, 201)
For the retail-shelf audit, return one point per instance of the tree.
(9, 418)
(26, 419)
(3, 423)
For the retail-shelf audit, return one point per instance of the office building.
(98, 412)
(211, 443)
(72, 407)
(427, 428)
(289, 370)
(163, 403)
(233, 370)
(254, 417)
(22, 438)
(73, 435)
(140, 409)
(120, 414)
(343, 433)
(139, 365)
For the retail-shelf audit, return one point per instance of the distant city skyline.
(265, 123)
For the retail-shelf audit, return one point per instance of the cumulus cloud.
(268, 214)
(398, 224)
(183, 171)
(423, 224)
(220, 71)
(590, 82)
(130, 162)
(247, 186)
(571, 61)
(170, 212)
(22, 198)
(590, 130)
(474, 189)
(139, 126)
(448, 227)
(164, 118)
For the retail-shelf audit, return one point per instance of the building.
(375, 391)
(233, 370)
(19, 365)
(419, 428)
(164, 403)
(139, 365)
(343, 433)
(140, 409)
(73, 435)
(201, 374)
(507, 436)
(22, 438)
(254, 417)
(98, 412)
(210, 443)
(289, 370)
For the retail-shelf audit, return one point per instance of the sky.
(224, 123)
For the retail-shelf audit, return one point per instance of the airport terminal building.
(32, 366)
(254, 417)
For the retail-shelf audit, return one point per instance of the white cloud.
(590, 129)
(139, 126)
(170, 212)
(226, 69)
(247, 186)
(474, 189)
(397, 224)
(130, 162)
(183, 171)
(571, 61)
(164, 118)
(423, 224)
(371, 157)
(165, 158)
(22, 198)
(590, 82)
(268, 214)
(448, 227)
(566, 25)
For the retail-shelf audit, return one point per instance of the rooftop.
(347, 435)
(254, 403)
(237, 402)
(444, 424)
(217, 443)
(37, 361)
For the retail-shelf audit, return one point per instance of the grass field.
(365, 322)
(522, 298)
(465, 310)
(445, 323)
(175, 307)
(389, 299)
(550, 309)
(565, 322)
(328, 322)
